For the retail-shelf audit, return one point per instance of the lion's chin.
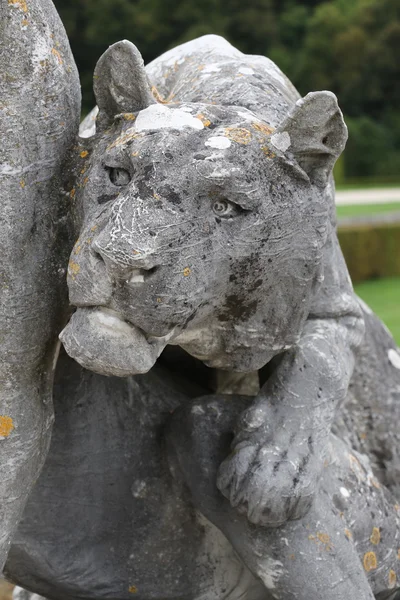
(101, 341)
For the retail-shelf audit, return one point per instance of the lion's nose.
(123, 264)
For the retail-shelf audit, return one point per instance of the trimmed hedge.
(371, 250)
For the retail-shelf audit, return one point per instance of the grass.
(383, 297)
(357, 210)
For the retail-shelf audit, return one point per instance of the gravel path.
(368, 196)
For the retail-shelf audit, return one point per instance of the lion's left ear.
(120, 82)
(317, 135)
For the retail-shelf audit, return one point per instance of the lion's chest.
(106, 518)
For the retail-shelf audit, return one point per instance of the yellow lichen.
(375, 536)
(72, 193)
(22, 183)
(6, 426)
(348, 534)
(392, 578)
(84, 154)
(129, 135)
(157, 95)
(24, 22)
(129, 116)
(262, 128)
(186, 272)
(324, 539)
(73, 269)
(132, 589)
(238, 135)
(20, 4)
(370, 561)
(206, 122)
(57, 55)
(268, 152)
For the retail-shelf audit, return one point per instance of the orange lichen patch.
(397, 508)
(83, 171)
(6, 426)
(159, 300)
(22, 183)
(72, 193)
(135, 252)
(19, 4)
(24, 22)
(136, 153)
(268, 152)
(206, 122)
(238, 135)
(370, 562)
(262, 128)
(84, 154)
(57, 55)
(348, 534)
(186, 272)
(77, 249)
(357, 468)
(73, 269)
(392, 578)
(375, 536)
(93, 228)
(156, 196)
(324, 539)
(157, 95)
(129, 135)
(374, 482)
(128, 116)
(84, 182)
(132, 589)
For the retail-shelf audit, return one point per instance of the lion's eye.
(224, 208)
(118, 177)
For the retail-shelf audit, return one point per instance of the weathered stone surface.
(39, 113)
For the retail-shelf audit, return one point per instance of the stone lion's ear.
(120, 82)
(317, 135)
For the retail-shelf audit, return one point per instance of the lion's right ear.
(120, 83)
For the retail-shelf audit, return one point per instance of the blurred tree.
(351, 48)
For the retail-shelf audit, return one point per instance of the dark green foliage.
(349, 47)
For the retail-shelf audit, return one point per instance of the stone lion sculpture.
(226, 409)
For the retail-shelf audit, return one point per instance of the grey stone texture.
(226, 409)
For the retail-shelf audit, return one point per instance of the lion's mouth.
(101, 340)
(139, 276)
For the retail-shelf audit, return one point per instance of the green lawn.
(383, 296)
(356, 210)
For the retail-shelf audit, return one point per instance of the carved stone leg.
(310, 559)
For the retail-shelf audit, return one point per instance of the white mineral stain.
(281, 141)
(345, 493)
(211, 69)
(394, 358)
(219, 142)
(270, 571)
(158, 116)
(246, 71)
(248, 116)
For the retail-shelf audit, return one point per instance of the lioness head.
(203, 226)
